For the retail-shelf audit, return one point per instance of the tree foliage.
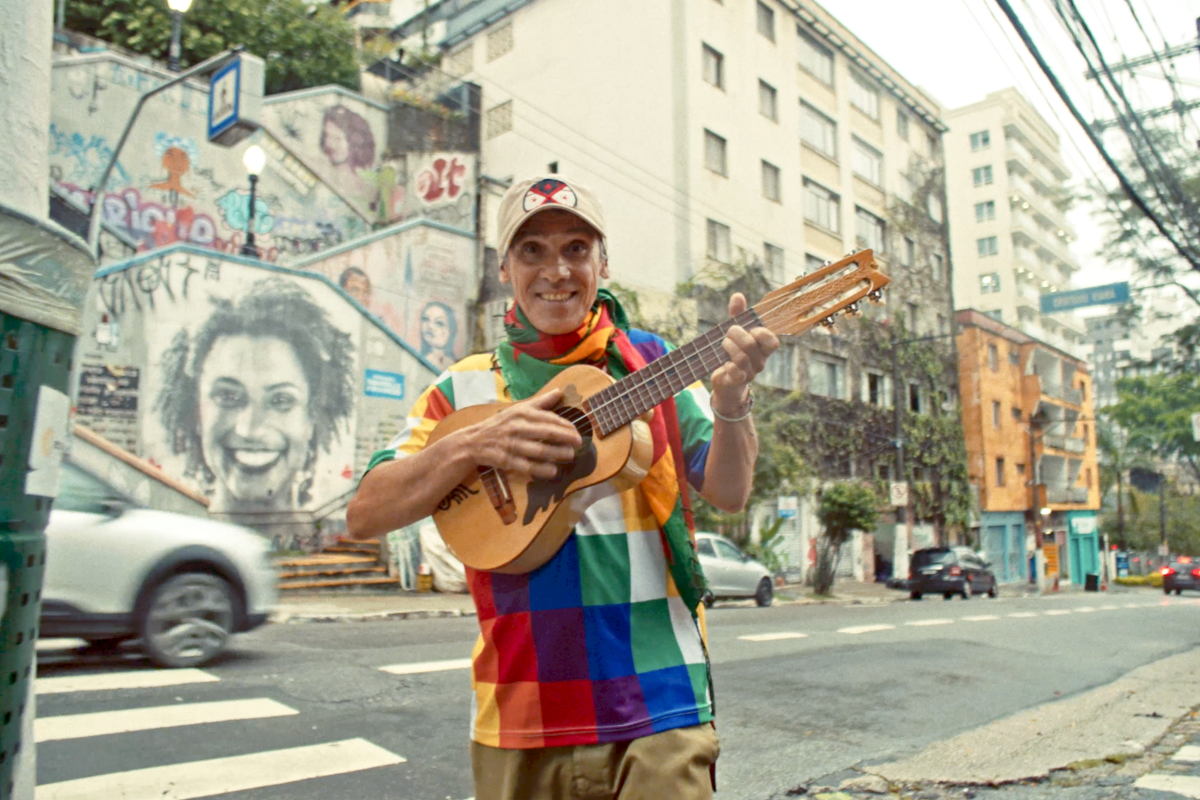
(1155, 412)
(1142, 531)
(303, 44)
(843, 508)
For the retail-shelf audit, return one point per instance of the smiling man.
(590, 675)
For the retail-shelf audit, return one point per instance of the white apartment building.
(712, 130)
(1009, 236)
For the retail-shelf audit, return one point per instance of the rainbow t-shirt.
(595, 645)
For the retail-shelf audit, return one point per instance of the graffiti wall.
(170, 184)
(265, 390)
(418, 278)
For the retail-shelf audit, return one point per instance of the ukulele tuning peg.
(827, 322)
(876, 296)
(852, 310)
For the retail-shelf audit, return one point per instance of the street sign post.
(1108, 295)
(235, 100)
(788, 507)
(898, 492)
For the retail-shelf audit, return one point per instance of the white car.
(180, 584)
(730, 572)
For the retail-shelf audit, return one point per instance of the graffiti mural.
(418, 279)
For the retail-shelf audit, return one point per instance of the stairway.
(346, 565)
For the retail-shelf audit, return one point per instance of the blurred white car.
(180, 584)
(730, 572)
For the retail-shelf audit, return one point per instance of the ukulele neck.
(666, 376)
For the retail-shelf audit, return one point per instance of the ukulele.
(513, 523)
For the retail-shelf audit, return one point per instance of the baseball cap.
(544, 193)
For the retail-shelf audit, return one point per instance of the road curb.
(288, 618)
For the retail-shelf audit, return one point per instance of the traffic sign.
(1107, 295)
(788, 507)
(898, 492)
(235, 100)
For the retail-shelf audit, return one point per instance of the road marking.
(920, 623)
(59, 644)
(1189, 752)
(1058, 612)
(1108, 608)
(981, 618)
(223, 775)
(857, 629)
(428, 666)
(772, 637)
(103, 723)
(1024, 614)
(1133, 605)
(1085, 610)
(136, 679)
(1185, 785)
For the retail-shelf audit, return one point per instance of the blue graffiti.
(235, 208)
(90, 156)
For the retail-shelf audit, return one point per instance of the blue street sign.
(1108, 295)
(383, 384)
(224, 98)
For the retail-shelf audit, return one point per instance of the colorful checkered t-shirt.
(595, 645)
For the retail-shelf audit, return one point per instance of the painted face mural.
(262, 388)
(357, 285)
(439, 329)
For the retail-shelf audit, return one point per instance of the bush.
(1153, 579)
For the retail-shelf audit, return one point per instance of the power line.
(1171, 75)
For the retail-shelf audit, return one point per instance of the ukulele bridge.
(499, 493)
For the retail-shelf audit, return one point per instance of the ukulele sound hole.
(578, 418)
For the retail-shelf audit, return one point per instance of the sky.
(959, 50)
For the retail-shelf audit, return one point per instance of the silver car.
(730, 572)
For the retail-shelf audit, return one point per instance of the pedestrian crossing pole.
(44, 274)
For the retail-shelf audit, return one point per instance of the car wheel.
(947, 595)
(1166, 590)
(188, 621)
(1178, 592)
(110, 645)
(992, 592)
(966, 592)
(708, 600)
(765, 593)
(915, 595)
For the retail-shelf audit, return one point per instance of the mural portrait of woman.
(349, 144)
(439, 332)
(264, 385)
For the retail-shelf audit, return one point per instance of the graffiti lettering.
(165, 279)
(441, 181)
(86, 156)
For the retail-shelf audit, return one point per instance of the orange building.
(1031, 447)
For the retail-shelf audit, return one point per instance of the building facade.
(1031, 447)
(1009, 236)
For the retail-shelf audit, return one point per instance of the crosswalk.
(209, 777)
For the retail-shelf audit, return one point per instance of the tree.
(1116, 459)
(1156, 414)
(303, 44)
(843, 508)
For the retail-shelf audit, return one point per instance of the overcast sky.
(959, 50)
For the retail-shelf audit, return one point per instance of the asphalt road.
(305, 712)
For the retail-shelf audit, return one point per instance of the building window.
(996, 314)
(938, 266)
(914, 398)
(1016, 413)
(499, 119)
(812, 263)
(867, 162)
(864, 96)
(1014, 358)
(714, 152)
(773, 258)
(770, 182)
(912, 317)
(987, 246)
(999, 471)
(815, 58)
(942, 325)
(718, 242)
(868, 230)
(985, 211)
(982, 176)
(714, 67)
(768, 104)
(500, 42)
(908, 252)
(1021, 470)
(766, 21)
(989, 283)
(995, 413)
(826, 377)
(876, 390)
(822, 207)
(980, 140)
(818, 131)
(902, 124)
(934, 207)
(1088, 477)
(993, 351)
(933, 145)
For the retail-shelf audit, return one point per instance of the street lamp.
(255, 159)
(178, 9)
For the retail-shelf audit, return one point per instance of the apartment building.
(1009, 236)
(1121, 348)
(1031, 447)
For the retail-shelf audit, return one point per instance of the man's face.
(254, 425)
(358, 287)
(555, 269)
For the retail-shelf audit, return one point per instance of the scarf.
(529, 359)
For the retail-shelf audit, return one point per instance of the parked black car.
(949, 571)
(1182, 573)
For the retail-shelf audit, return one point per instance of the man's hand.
(748, 352)
(526, 438)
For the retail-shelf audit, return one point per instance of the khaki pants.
(672, 764)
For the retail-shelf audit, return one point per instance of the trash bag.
(448, 573)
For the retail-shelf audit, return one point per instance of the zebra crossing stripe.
(1189, 752)
(223, 775)
(427, 666)
(1186, 785)
(855, 630)
(772, 637)
(135, 679)
(103, 723)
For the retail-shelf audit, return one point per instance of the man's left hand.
(748, 352)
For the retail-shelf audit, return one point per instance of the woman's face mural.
(435, 329)
(335, 143)
(255, 432)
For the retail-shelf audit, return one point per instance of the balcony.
(1075, 445)
(1064, 495)
(1072, 397)
(1056, 440)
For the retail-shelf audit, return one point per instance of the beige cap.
(543, 193)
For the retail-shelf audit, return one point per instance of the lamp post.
(254, 159)
(178, 9)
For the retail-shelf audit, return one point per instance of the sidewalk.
(370, 606)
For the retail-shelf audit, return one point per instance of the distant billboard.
(1108, 295)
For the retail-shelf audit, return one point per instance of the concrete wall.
(134, 477)
(263, 389)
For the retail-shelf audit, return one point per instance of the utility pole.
(1162, 511)
(900, 548)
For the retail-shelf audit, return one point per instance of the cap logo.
(549, 191)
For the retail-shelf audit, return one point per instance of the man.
(590, 674)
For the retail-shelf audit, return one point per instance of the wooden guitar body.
(510, 523)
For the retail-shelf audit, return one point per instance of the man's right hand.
(527, 437)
